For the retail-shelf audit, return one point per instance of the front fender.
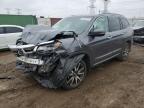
(64, 68)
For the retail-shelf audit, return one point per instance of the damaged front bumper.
(30, 60)
(48, 62)
(42, 65)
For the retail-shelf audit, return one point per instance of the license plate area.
(30, 60)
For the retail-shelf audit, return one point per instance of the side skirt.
(106, 59)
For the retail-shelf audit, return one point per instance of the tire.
(76, 76)
(125, 52)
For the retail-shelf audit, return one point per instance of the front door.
(101, 46)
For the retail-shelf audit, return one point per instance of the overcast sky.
(63, 8)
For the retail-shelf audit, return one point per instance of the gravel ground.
(113, 84)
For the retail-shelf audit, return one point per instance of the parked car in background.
(62, 55)
(139, 31)
(9, 34)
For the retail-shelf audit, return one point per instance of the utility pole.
(106, 2)
(7, 10)
(18, 11)
(99, 11)
(92, 7)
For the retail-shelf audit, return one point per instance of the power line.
(7, 10)
(18, 11)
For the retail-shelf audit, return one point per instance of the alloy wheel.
(77, 75)
(126, 52)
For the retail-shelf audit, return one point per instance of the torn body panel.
(48, 62)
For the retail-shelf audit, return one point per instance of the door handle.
(109, 37)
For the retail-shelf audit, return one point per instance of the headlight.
(48, 48)
(45, 48)
(42, 48)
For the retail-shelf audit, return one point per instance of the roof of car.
(12, 26)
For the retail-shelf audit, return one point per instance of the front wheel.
(76, 76)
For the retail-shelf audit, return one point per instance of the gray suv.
(61, 56)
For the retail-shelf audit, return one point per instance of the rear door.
(126, 29)
(2, 38)
(12, 34)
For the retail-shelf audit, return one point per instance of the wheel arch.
(85, 58)
(129, 42)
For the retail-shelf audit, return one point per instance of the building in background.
(54, 20)
(47, 21)
(22, 20)
(44, 21)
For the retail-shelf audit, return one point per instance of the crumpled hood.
(35, 35)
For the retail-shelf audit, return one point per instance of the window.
(100, 24)
(1, 30)
(114, 23)
(124, 22)
(12, 29)
(76, 24)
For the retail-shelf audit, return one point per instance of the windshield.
(76, 24)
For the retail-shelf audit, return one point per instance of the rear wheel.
(125, 52)
(76, 76)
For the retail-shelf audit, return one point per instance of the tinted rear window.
(114, 23)
(12, 29)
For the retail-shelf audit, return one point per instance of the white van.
(9, 35)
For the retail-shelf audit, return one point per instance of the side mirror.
(96, 33)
